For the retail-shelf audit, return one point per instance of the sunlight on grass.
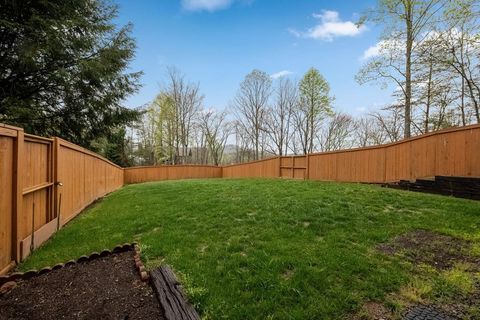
(280, 249)
(459, 278)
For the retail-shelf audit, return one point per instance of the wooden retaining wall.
(46, 182)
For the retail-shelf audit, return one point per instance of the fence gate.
(37, 193)
(293, 167)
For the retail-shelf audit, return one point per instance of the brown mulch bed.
(422, 246)
(103, 288)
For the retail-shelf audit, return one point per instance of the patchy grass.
(270, 249)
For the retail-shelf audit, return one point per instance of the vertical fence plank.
(18, 194)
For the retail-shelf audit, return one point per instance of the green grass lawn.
(266, 249)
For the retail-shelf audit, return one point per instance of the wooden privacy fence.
(450, 152)
(155, 173)
(45, 182)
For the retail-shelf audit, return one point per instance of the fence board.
(6, 196)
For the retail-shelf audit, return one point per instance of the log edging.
(17, 276)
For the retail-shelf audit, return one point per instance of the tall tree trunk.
(462, 105)
(429, 96)
(310, 147)
(474, 99)
(257, 137)
(408, 68)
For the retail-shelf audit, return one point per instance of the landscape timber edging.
(171, 296)
(17, 276)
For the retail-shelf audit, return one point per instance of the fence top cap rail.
(422, 136)
(174, 166)
(251, 162)
(75, 147)
(32, 137)
(433, 133)
(7, 126)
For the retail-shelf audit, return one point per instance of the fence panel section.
(157, 173)
(85, 177)
(268, 168)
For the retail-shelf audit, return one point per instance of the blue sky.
(218, 42)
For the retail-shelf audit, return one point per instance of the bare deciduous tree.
(279, 117)
(458, 47)
(336, 134)
(390, 120)
(406, 23)
(250, 105)
(188, 101)
(217, 130)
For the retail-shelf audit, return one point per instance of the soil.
(459, 307)
(104, 288)
(373, 311)
(442, 252)
(437, 250)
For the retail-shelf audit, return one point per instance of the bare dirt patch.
(452, 290)
(288, 274)
(422, 246)
(373, 311)
(104, 288)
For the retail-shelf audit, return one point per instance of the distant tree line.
(429, 50)
(63, 72)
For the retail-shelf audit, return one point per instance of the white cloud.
(384, 47)
(294, 32)
(371, 52)
(361, 109)
(330, 27)
(207, 5)
(280, 74)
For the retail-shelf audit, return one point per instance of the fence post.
(56, 149)
(279, 166)
(293, 167)
(384, 164)
(307, 168)
(17, 200)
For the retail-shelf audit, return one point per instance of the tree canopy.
(63, 68)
